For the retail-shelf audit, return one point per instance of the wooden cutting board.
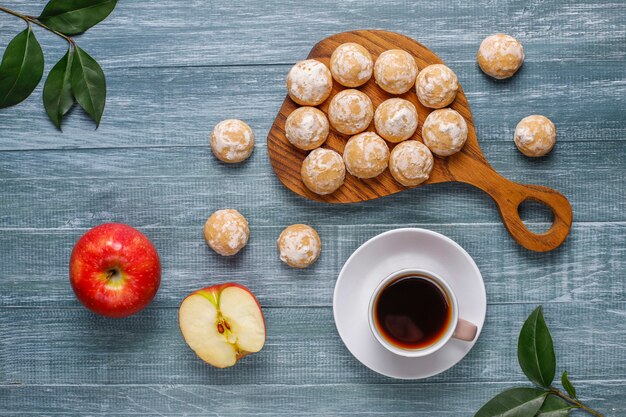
(468, 166)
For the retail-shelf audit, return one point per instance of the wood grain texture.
(141, 34)
(186, 185)
(603, 159)
(73, 346)
(581, 271)
(174, 71)
(467, 166)
(396, 400)
(189, 101)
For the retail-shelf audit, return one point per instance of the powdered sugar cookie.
(226, 232)
(350, 112)
(500, 55)
(366, 155)
(535, 135)
(309, 82)
(444, 132)
(395, 71)
(323, 171)
(306, 128)
(351, 64)
(396, 119)
(411, 163)
(436, 86)
(299, 246)
(232, 141)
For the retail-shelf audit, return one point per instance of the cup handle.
(465, 330)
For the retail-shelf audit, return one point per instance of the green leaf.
(554, 406)
(21, 69)
(535, 350)
(88, 84)
(568, 385)
(72, 17)
(57, 91)
(515, 402)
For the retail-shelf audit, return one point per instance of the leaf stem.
(33, 19)
(577, 403)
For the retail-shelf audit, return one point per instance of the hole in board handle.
(536, 216)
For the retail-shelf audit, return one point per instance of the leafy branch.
(76, 77)
(535, 353)
(32, 19)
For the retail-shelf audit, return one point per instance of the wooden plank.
(70, 172)
(600, 158)
(189, 101)
(186, 184)
(230, 61)
(398, 400)
(586, 268)
(181, 202)
(188, 201)
(224, 33)
(73, 346)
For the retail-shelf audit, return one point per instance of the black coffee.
(412, 312)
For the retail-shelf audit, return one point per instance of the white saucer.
(390, 252)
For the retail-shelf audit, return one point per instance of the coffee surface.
(412, 312)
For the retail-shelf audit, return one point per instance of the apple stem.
(114, 276)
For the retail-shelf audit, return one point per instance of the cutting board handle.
(561, 211)
(508, 195)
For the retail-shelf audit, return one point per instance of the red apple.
(115, 270)
(222, 323)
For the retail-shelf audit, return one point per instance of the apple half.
(222, 323)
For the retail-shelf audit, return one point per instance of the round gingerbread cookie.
(299, 246)
(396, 119)
(226, 232)
(323, 171)
(436, 86)
(309, 82)
(366, 155)
(395, 71)
(306, 128)
(232, 141)
(350, 111)
(351, 64)
(535, 135)
(444, 132)
(500, 56)
(411, 163)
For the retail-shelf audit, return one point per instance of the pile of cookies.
(350, 112)
(366, 154)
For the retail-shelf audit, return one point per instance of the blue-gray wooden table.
(174, 69)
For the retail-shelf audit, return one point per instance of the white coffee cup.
(456, 327)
